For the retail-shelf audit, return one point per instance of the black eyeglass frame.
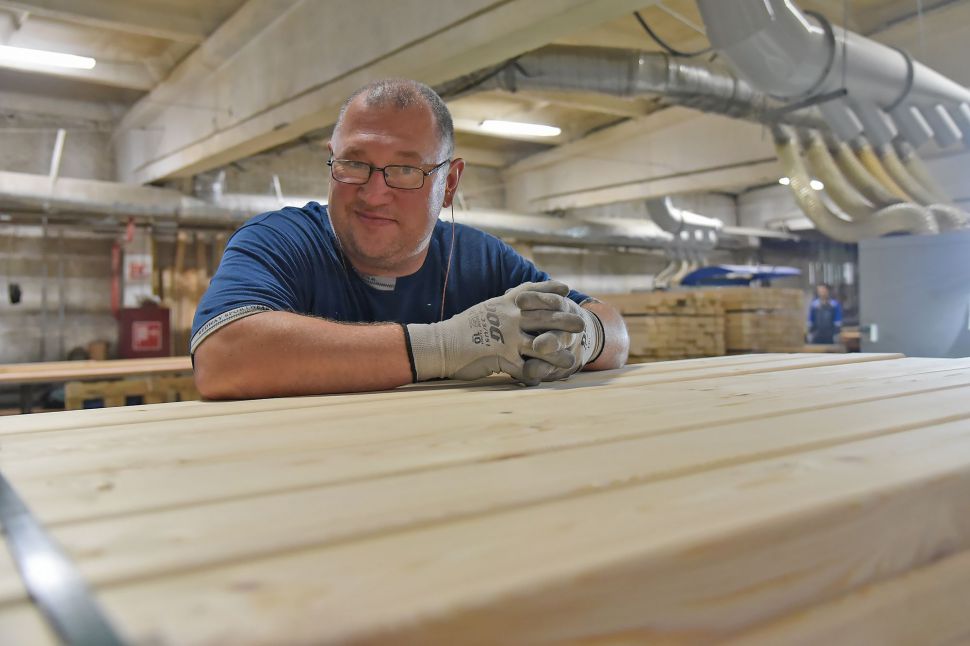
(371, 168)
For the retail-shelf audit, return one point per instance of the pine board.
(685, 502)
(54, 371)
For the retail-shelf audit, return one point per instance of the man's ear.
(454, 176)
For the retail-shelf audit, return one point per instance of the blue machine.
(736, 274)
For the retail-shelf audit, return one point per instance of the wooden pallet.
(128, 392)
(766, 499)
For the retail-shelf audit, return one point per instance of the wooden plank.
(22, 623)
(79, 370)
(920, 608)
(120, 470)
(180, 539)
(94, 464)
(695, 558)
(684, 370)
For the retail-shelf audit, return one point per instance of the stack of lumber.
(764, 319)
(672, 325)
(762, 499)
(711, 322)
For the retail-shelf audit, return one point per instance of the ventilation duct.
(792, 56)
(895, 218)
(630, 73)
(568, 231)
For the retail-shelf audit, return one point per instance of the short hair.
(403, 94)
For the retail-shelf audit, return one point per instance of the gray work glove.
(565, 347)
(485, 339)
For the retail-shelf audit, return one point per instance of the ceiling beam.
(130, 17)
(673, 151)
(262, 80)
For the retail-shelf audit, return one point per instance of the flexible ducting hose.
(681, 273)
(859, 177)
(894, 219)
(660, 280)
(868, 158)
(845, 196)
(948, 216)
(905, 181)
(919, 171)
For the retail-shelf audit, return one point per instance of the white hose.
(919, 172)
(864, 152)
(901, 218)
(948, 216)
(681, 273)
(859, 177)
(824, 167)
(660, 280)
(894, 167)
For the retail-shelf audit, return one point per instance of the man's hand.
(572, 338)
(493, 336)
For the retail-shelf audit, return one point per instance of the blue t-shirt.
(289, 261)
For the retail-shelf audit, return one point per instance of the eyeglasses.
(395, 176)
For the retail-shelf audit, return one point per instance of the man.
(373, 291)
(824, 317)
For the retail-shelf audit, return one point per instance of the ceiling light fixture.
(23, 56)
(516, 128)
(784, 181)
(817, 185)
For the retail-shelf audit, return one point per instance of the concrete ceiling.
(203, 84)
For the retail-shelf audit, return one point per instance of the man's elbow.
(214, 377)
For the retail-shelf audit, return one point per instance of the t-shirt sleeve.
(517, 270)
(258, 273)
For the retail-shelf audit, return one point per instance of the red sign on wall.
(146, 336)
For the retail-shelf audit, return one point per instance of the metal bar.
(50, 577)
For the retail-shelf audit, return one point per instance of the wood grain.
(774, 498)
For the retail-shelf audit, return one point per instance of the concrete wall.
(770, 207)
(302, 170)
(84, 261)
(28, 130)
(482, 188)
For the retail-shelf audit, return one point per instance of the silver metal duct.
(691, 231)
(568, 231)
(790, 55)
(629, 73)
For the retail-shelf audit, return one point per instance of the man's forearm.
(278, 354)
(617, 342)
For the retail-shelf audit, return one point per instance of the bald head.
(404, 94)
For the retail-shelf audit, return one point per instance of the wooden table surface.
(759, 499)
(54, 371)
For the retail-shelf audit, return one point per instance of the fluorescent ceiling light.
(817, 185)
(517, 128)
(784, 181)
(23, 56)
